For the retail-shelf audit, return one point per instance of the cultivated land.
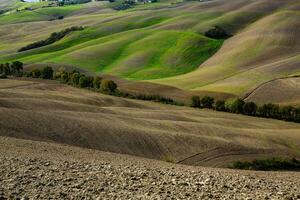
(164, 43)
(49, 111)
(40, 170)
(62, 142)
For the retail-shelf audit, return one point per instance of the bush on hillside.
(269, 111)
(207, 102)
(196, 102)
(97, 82)
(220, 105)
(272, 164)
(235, 106)
(108, 86)
(250, 108)
(217, 33)
(51, 39)
(47, 73)
(15, 68)
(3, 76)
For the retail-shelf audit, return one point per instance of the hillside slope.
(49, 111)
(164, 42)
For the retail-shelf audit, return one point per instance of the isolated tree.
(47, 73)
(250, 108)
(220, 105)
(108, 86)
(196, 102)
(207, 102)
(97, 82)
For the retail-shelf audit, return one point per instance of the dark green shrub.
(83, 82)
(220, 105)
(196, 102)
(217, 33)
(75, 77)
(288, 113)
(235, 106)
(97, 82)
(53, 38)
(271, 164)
(269, 110)
(3, 76)
(47, 73)
(249, 108)
(207, 102)
(16, 67)
(108, 86)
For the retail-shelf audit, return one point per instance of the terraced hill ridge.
(164, 42)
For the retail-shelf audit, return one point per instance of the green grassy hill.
(164, 42)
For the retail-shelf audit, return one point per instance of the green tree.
(1, 68)
(207, 102)
(220, 105)
(108, 86)
(288, 113)
(47, 73)
(6, 68)
(90, 81)
(83, 82)
(75, 77)
(97, 82)
(16, 67)
(196, 102)
(269, 110)
(235, 106)
(250, 108)
(297, 115)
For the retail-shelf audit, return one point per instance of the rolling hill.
(49, 111)
(164, 42)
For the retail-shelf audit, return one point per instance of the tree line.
(239, 106)
(77, 79)
(54, 37)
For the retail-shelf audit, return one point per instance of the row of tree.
(74, 78)
(239, 106)
(56, 36)
(15, 68)
(77, 79)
